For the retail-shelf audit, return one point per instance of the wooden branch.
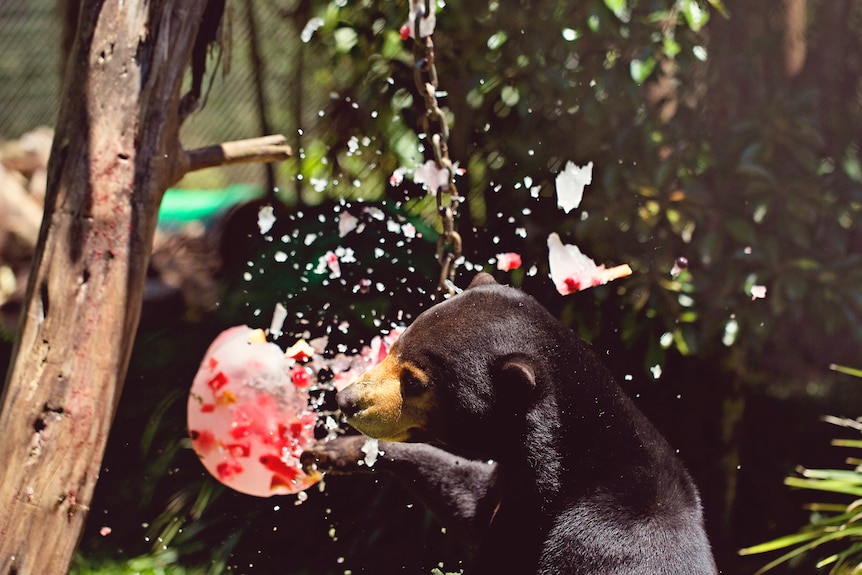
(265, 149)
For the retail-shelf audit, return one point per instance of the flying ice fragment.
(570, 185)
(572, 271)
(508, 261)
(431, 177)
(758, 292)
(347, 222)
(265, 219)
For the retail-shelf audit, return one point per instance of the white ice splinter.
(265, 218)
(427, 22)
(572, 271)
(570, 185)
(431, 177)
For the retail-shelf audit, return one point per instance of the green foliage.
(161, 564)
(748, 197)
(832, 525)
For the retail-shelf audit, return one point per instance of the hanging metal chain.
(436, 131)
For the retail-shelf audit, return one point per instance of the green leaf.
(807, 264)
(720, 7)
(845, 475)
(475, 98)
(392, 46)
(780, 543)
(841, 557)
(855, 443)
(741, 230)
(823, 538)
(570, 34)
(695, 16)
(497, 40)
(401, 99)
(640, 70)
(671, 46)
(510, 96)
(827, 561)
(682, 340)
(852, 166)
(846, 370)
(756, 171)
(345, 39)
(829, 485)
(619, 8)
(688, 317)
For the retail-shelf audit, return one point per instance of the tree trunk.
(115, 151)
(795, 42)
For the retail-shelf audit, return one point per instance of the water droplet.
(680, 264)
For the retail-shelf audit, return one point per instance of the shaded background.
(727, 135)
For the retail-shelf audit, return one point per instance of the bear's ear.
(516, 372)
(481, 279)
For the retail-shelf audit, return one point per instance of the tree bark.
(115, 151)
(795, 43)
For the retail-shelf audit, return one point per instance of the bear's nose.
(347, 402)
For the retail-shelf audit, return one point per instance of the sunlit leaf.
(345, 39)
(671, 46)
(402, 98)
(619, 8)
(688, 317)
(640, 70)
(720, 7)
(819, 540)
(695, 16)
(475, 98)
(847, 370)
(570, 34)
(780, 543)
(683, 339)
(848, 476)
(852, 166)
(497, 40)
(829, 485)
(510, 96)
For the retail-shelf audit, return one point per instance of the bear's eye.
(412, 383)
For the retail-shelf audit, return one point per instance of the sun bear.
(579, 481)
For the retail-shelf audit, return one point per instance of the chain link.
(436, 131)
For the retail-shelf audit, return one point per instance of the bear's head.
(469, 368)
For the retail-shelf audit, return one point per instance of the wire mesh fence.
(30, 46)
(31, 33)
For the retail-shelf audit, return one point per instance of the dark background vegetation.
(714, 138)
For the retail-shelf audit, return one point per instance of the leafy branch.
(829, 522)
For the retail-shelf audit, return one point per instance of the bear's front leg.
(461, 492)
(339, 456)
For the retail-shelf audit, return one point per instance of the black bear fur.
(581, 482)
